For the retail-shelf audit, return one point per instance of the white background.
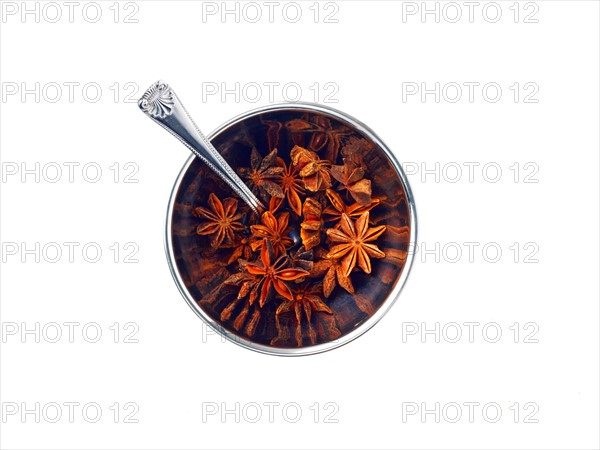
(177, 367)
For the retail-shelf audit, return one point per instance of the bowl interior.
(211, 275)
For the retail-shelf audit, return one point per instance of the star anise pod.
(273, 229)
(223, 220)
(273, 274)
(262, 174)
(329, 137)
(306, 298)
(313, 170)
(302, 259)
(330, 270)
(290, 182)
(350, 176)
(247, 282)
(310, 228)
(242, 249)
(352, 239)
(338, 207)
(323, 134)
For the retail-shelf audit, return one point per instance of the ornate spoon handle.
(162, 105)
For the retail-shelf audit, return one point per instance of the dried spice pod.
(292, 186)
(273, 229)
(315, 172)
(302, 259)
(274, 274)
(338, 207)
(333, 274)
(321, 132)
(312, 226)
(351, 178)
(354, 243)
(327, 258)
(262, 173)
(221, 220)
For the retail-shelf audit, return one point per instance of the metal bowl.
(357, 330)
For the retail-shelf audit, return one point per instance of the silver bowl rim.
(392, 297)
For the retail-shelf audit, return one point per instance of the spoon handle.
(162, 105)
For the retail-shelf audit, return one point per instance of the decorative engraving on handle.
(158, 100)
(162, 105)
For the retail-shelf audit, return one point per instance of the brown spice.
(353, 246)
(262, 174)
(282, 269)
(274, 229)
(313, 170)
(223, 220)
(273, 273)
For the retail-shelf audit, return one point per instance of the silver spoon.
(161, 104)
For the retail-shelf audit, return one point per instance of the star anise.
(331, 271)
(338, 207)
(290, 182)
(352, 239)
(273, 274)
(273, 229)
(310, 229)
(313, 170)
(223, 220)
(323, 134)
(350, 176)
(302, 259)
(247, 282)
(262, 174)
(242, 249)
(306, 298)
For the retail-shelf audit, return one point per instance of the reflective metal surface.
(162, 105)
